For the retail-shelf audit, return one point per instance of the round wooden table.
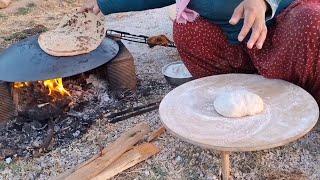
(188, 113)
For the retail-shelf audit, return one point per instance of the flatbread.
(78, 33)
(4, 3)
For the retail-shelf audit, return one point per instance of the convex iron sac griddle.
(25, 61)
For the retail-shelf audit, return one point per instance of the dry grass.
(24, 14)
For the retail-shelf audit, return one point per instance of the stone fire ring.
(188, 113)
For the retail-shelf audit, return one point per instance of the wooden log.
(225, 157)
(7, 107)
(98, 163)
(156, 134)
(129, 159)
(121, 70)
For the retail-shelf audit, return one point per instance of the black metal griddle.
(25, 61)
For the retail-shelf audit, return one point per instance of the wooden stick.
(97, 164)
(225, 156)
(129, 159)
(156, 134)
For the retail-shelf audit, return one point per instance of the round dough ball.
(238, 103)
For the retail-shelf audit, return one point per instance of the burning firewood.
(44, 113)
(41, 100)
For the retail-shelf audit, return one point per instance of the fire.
(56, 85)
(53, 85)
(20, 84)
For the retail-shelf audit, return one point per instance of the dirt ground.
(177, 159)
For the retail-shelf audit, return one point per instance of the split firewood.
(4, 3)
(129, 159)
(156, 134)
(96, 165)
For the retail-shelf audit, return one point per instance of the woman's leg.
(205, 50)
(292, 48)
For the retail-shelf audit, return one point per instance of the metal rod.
(136, 113)
(133, 38)
(132, 109)
(126, 33)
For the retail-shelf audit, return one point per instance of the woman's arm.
(254, 14)
(115, 6)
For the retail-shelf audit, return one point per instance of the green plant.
(3, 16)
(26, 10)
(2, 166)
(17, 35)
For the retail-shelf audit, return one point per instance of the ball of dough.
(238, 103)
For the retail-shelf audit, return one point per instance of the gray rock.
(76, 134)
(8, 160)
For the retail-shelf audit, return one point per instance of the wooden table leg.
(225, 158)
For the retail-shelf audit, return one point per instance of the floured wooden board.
(188, 112)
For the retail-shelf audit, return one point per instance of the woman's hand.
(90, 5)
(253, 12)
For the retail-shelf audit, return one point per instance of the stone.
(76, 134)
(8, 160)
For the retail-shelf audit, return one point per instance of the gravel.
(177, 159)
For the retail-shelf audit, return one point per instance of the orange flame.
(56, 85)
(53, 85)
(20, 84)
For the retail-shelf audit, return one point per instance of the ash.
(177, 71)
(47, 122)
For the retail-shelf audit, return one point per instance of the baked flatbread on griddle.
(4, 3)
(78, 33)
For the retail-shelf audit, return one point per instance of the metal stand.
(225, 158)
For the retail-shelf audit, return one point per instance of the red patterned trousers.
(291, 51)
